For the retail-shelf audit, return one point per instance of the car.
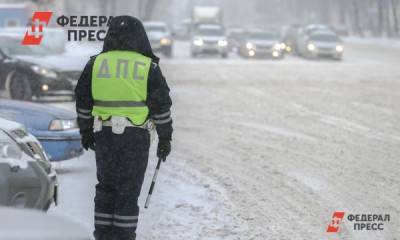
(303, 33)
(27, 179)
(290, 37)
(322, 43)
(160, 37)
(28, 72)
(262, 43)
(55, 128)
(54, 39)
(27, 224)
(235, 36)
(209, 39)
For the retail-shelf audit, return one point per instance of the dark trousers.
(121, 164)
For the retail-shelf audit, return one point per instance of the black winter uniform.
(122, 159)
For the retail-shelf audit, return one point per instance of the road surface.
(268, 149)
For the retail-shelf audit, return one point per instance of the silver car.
(262, 44)
(209, 39)
(322, 43)
(27, 179)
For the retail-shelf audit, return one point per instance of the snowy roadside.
(185, 204)
(382, 42)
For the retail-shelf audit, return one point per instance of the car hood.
(59, 63)
(325, 44)
(210, 38)
(34, 116)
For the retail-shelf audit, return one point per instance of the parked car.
(160, 37)
(35, 71)
(55, 128)
(54, 39)
(27, 179)
(209, 39)
(23, 224)
(262, 44)
(322, 43)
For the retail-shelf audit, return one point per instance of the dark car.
(55, 128)
(34, 71)
(160, 37)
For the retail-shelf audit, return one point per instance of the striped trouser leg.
(132, 160)
(106, 188)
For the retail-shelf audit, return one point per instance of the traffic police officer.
(120, 93)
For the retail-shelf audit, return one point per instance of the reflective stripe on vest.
(119, 85)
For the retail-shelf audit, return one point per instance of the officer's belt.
(108, 123)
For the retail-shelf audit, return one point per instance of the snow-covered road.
(269, 149)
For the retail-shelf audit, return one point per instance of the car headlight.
(277, 46)
(8, 147)
(252, 53)
(282, 46)
(44, 71)
(311, 47)
(276, 54)
(222, 43)
(59, 125)
(198, 42)
(249, 45)
(339, 48)
(165, 41)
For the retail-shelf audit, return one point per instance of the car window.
(264, 35)
(210, 31)
(12, 47)
(324, 37)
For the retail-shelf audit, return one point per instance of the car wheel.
(47, 206)
(224, 55)
(193, 54)
(20, 87)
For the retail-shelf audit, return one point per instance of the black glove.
(164, 148)
(88, 140)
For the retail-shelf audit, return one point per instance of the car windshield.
(155, 28)
(13, 47)
(324, 37)
(264, 35)
(210, 31)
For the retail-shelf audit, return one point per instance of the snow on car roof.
(13, 5)
(9, 125)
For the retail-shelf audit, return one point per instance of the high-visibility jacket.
(119, 85)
